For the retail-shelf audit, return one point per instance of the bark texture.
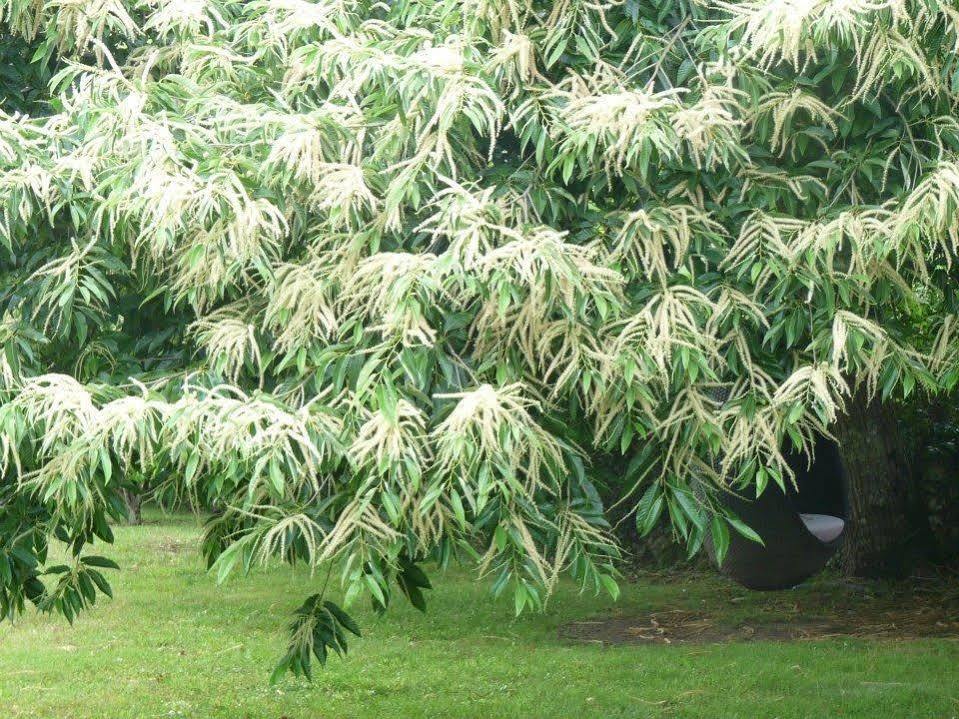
(132, 501)
(882, 530)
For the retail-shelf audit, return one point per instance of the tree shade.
(376, 279)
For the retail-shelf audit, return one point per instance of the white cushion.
(825, 527)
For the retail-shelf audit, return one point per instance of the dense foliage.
(375, 279)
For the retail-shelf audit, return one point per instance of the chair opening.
(820, 486)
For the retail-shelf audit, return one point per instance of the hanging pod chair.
(801, 528)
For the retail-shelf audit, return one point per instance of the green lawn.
(172, 644)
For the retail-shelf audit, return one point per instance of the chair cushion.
(824, 526)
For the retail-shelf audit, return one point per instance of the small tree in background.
(379, 277)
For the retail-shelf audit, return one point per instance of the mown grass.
(172, 644)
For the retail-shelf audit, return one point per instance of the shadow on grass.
(828, 608)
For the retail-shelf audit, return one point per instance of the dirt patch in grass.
(807, 615)
(171, 545)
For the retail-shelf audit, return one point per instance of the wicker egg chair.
(801, 529)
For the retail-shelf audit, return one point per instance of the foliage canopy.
(377, 279)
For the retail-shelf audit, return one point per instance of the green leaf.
(227, 561)
(649, 509)
(93, 560)
(745, 530)
(610, 585)
(101, 582)
(520, 598)
(191, 465)
(719, 532)
(343, 618)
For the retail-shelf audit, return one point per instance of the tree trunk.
(132, 500)
(883, 525)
